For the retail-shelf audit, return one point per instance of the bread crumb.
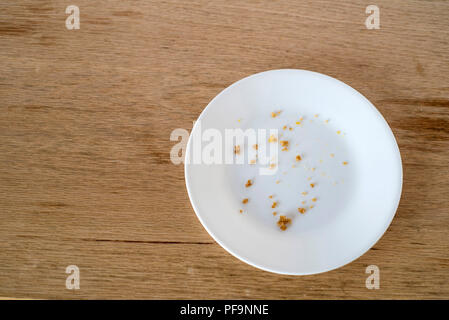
(271, 197)
(275, 213)
(312, 185)
(298, 158)
(255, 146)
(303, 202)
(249, 183)
(285, 149)
(245, 200)
(304, 193)
(284, 127)
(284, 143)
(311, 206)
(274, 204)
(314, 199)
(298, 122)
(278, 181)
(272, 138)
(237, 149)
(275, 114)
(253, 161)
(273, 165)
(316, 116)
(283, 222)
(345, 163)
(302, 210)
(241, 211)
(290, 128)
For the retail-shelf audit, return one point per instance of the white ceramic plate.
(355, 202)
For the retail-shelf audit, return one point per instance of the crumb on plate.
(275, 114)
(283, 222)
(272, 138)
(301, 210)
(249, 183)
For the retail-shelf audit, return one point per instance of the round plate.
(347, 152)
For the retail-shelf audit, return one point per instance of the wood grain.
(86, 116)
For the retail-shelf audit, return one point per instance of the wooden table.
(86, 116)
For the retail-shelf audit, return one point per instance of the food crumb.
(256, 146)
(345, 163)
(249, 183)
(275, 213)
(284, 127)
(274, 204)
(338, 132)
(241, 211)
(311, 206)
(283, 221)
(332, 155)
(275, 114)
(245, 200)
(253, 161)
(278, 181)
(272, 138)
(290, 128)
(304, 193)
(302, 210)
(285, 149)
(312, 185)
(237, 149)
(316, 116)
(298, 158)
(314, 199)
(271, 197)
(303, 202)
(273, 165)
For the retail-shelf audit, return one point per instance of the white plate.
(355, 202)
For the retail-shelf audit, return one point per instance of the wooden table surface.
(86, 116)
